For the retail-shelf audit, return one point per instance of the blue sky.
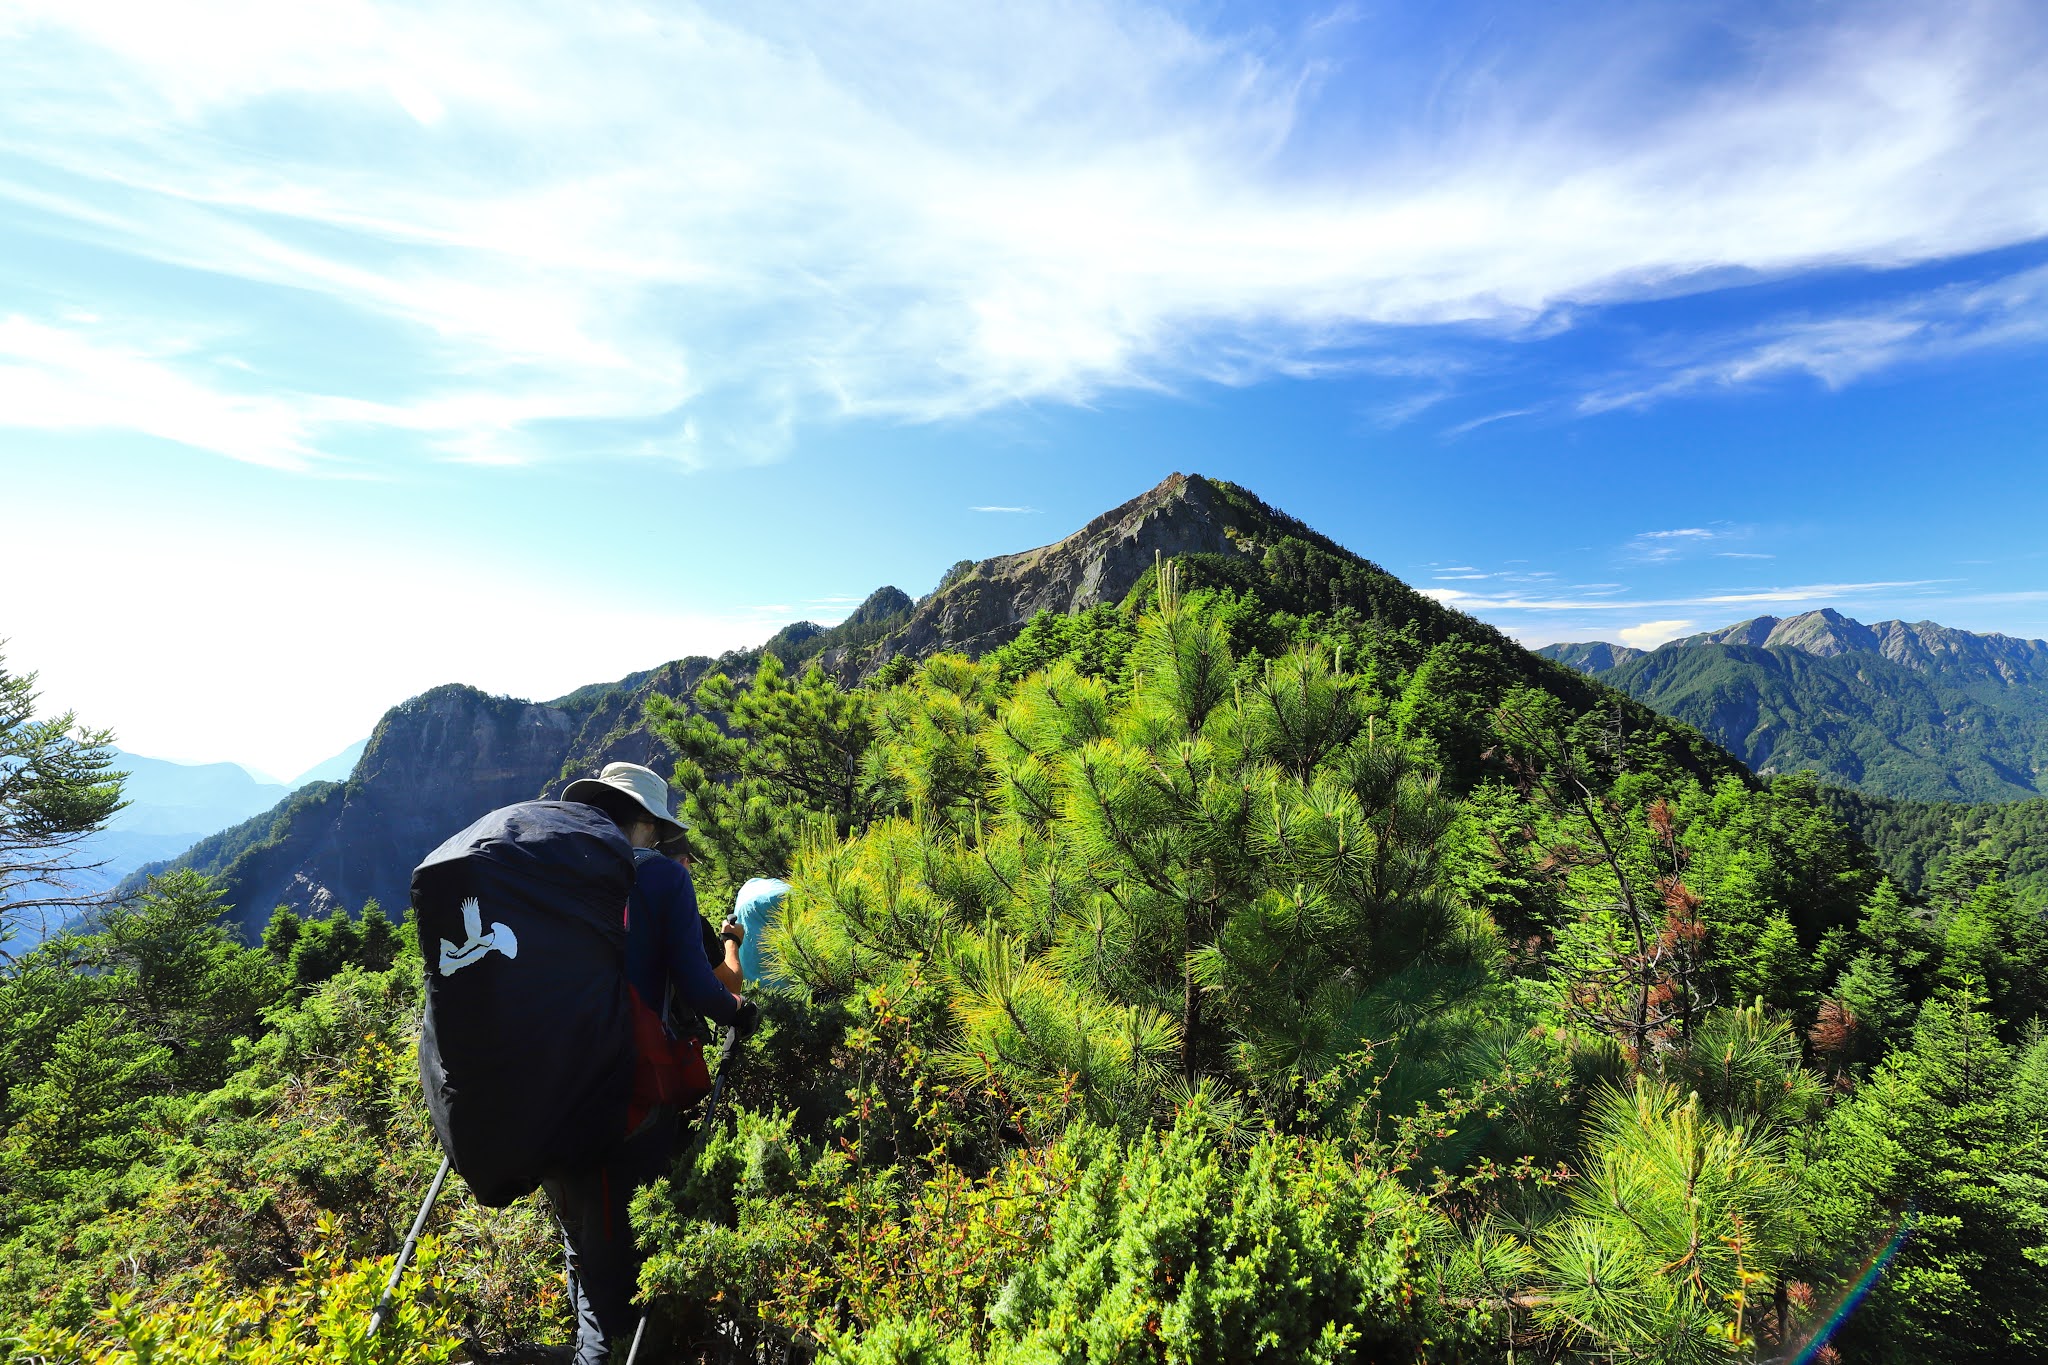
(348, 348)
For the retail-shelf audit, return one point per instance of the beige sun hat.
(643, 786)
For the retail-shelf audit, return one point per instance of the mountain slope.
(441, 759)
(449, 755)
(433, 764)
(1913, 710)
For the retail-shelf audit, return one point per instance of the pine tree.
(1941, 1143)
(755, 763)
(1898, 934)
(1682, 1222)
(1207, 881)
(58, 785)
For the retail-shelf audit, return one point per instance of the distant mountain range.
(335, 769)
(440, 760)
(1899, 709)
(170, 805)
(174, 806)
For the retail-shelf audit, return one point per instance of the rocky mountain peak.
(445, 757)
(1824, 633)
(1924, 646)
(980, 607)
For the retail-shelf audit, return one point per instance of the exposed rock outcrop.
(982, 606)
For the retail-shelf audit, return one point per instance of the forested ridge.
(1914, 841)
(1256, 967)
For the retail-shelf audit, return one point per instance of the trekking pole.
(725, 1053)
(412, 1239)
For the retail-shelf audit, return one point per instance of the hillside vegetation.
(1248, 969)
(438, 761)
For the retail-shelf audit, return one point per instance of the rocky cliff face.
(981, 606)
(441, 759)
(434, 764)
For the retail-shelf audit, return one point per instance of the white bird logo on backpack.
(501, 938)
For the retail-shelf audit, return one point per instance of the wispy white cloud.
(681, 231)
(1477, 422)
(82, 377)
(1689, 542)
(1016, 510)
(1650, 634)
(1583, 600)
(1840, 349)
(1466, 573)
(1654, 547)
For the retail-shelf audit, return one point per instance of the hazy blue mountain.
(1912, 710)
(189, 798)
(335, 769)
(171, 806)
(1594, 656)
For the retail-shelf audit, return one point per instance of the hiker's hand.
(734, 930)
(748, 1017)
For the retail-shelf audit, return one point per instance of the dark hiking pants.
(603, 1264)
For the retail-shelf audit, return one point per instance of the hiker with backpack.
(665, 953)
(543, 1052)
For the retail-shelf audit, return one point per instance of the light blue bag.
(755, 908)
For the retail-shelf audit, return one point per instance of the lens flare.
(1873, 1271)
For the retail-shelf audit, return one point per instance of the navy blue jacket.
(667, 941)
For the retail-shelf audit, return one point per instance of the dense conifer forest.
(1250, 970)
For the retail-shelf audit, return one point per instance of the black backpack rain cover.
(526, 1051)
